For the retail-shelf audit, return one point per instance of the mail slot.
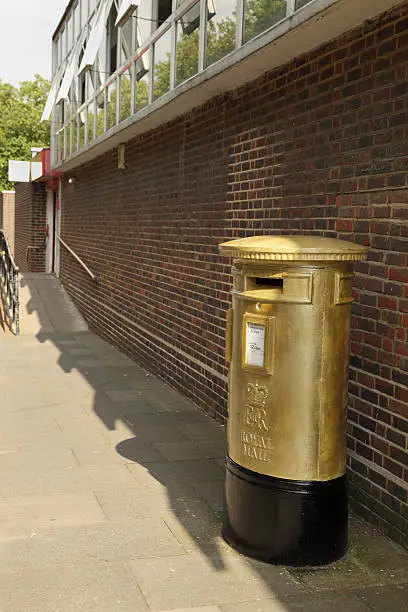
(288, 345)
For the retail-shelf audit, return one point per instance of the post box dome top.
(293, 248)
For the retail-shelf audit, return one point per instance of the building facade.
(179, 125)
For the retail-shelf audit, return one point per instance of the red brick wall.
(7, 202)
(317, 146)
(30, 223)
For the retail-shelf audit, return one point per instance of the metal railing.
(9, 285)
(77, 258)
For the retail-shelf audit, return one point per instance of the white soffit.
(96, 35)
(19, 171)
(126, 7)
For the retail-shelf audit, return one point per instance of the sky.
(26, 29)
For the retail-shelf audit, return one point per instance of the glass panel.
(91, 121)
(162, 65)
(92, 6)
(63, 44)
(261, 15)
(70, 32)
(60, 142)
(68, 141)
(187, 44)
(300, 3)
(55, 62)
(82, 130)
(100, 120)
(126, 40)
(112, 98)
(77, 22)
(163, 10)
(84, 12)
(142, 83)
(125, 95)
(144, 23)
(75, 135)
(221, 30)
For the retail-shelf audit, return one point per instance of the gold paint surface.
(293, 248)
(289, 420)
(228, 335)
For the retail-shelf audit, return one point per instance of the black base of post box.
(283, 521)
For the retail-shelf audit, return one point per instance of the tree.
(20, 122)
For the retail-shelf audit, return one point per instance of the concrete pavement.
(111, 491)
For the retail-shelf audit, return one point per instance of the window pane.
(162, 65)
(221, 30)
(82, 130)
(75, 135)
(77, 22)
(91, 120)
(163, 11)
(261, 15)
(126, 40)
(70, 33)
(68, 140)
(142, 82)
(100, 121)
(92, 6)
(144, 24)
(300, 3)
(187, 44)
(125, 95)
(112, 99)
(84, 12)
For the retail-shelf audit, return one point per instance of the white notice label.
(255, 344)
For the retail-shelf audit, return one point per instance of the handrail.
(9, 284)
(78, 259)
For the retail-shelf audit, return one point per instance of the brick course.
(317, 146)
(30, 224)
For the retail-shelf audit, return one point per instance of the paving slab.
(386, 599)
(196, 579)
(23, 515)
(108, 541)
(91, 586)
(302, 603)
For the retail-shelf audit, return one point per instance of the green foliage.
(20, 122)
(261, 15)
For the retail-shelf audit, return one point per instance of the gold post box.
(288, 345)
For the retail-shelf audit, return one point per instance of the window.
(187, 44)
(126, 35)
(163, 9)
(260, 16)
(221, 30)
(144, 24)
(84, 12)
(77, 21)
(112, 41)
(70, 33)
(55, 58)
(300, 3)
